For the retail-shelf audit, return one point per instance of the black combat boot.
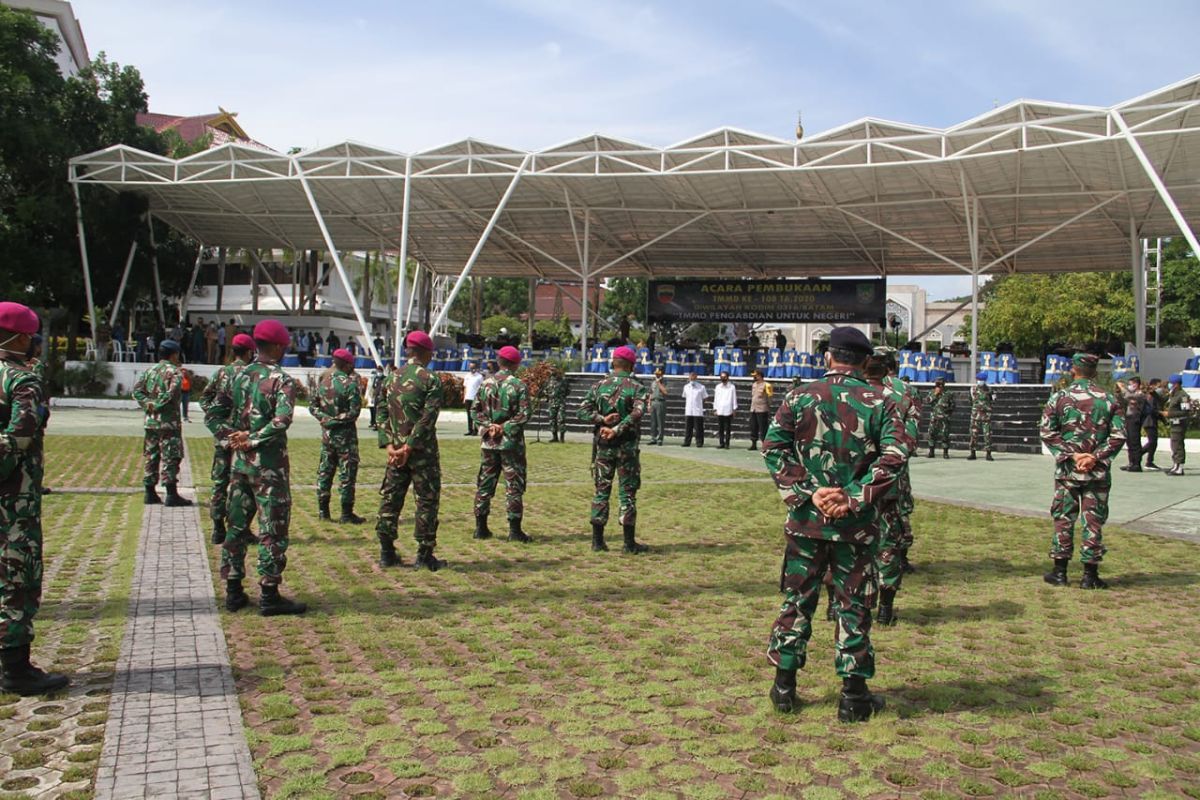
(906, 567)
(631, 544)
(387, 553)
(21, 677)
(886, 615)
(481, 527)
(1091, 578)
(515, 534)
(830, 609)
(598, 545)
(945, 452)
(151, 498)
(235, 596)
(427, 560)
(173, 500)
(273, 604)
(931, 455)
(971, 457)
(323, 508)
(218, 534)
(753, 445)
(348, 516)
(857, 703)
(988, 456)
(1058, 575)
(783, 690)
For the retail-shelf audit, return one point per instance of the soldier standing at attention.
(264, 399)
(981, 416)
(337, 404)
(835, 450)
(20, 506)
(1082, 427)
(941, 408)
(557, 390)
(408, 430)
(217, 405)
(501, 410)
(1178, 411)
(158, 391)
(615, 406)
(1134, 401)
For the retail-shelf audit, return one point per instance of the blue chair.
(761, 360)
(596, 359)
(644, 365)
(791, 363)
(464, 358)
(692, 362)
(290, 360)
(1120, 368)
(659, 359)
(820, 365)
(775, 363)
(672, 357)
(323, 361)
(1135, 363)
(922, 363)
(720, 360)
(526, 354)
(737, 362)
(804, 366)
(908, 365)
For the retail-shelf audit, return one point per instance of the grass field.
(547, 671)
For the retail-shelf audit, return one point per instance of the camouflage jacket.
(981, 400)
(20, 429)
(412, 400)
(503, 399)
(624, 395)
(1179, 407)
(908, 403)
(264, 399)
(1082, 418)
(557, 388)
(836, 431)
(159, 391)
(940, 405)
(338, 400)
(217, 400)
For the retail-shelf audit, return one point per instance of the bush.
(88, 378)
(491, 326)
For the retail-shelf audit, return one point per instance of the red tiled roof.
(192, 128)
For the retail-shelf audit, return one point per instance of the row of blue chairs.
(924, 367)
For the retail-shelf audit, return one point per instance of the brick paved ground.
(174, 725)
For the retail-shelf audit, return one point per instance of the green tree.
(1180, 317)
(624, 298)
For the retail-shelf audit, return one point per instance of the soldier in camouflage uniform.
(981, 416)
(835, 449)
(501, 410)
(941, 409)
(1132, 400)
(264, 400)
(557, 389)
(217, 405)
(1082, 427)
(1178, 412)
(408, 430)
(21, 467)
(336, 406)
(615, 406)
(158, 392)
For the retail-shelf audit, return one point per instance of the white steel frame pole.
(112, 318)
(87, 270)
(1138, 265)
(157, 281)
(402, 278)
(337, 263)
(187, 296)
(1161, 187)
(583, 265)
(973, 226)
(466, 270)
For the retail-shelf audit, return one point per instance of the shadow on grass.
(938, 615)
(929, 566)
(1132, 580)
(1026, 692)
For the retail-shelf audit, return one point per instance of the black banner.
(809, 300)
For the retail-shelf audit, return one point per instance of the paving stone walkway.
(174, 725)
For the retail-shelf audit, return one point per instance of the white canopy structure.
(1027, 187)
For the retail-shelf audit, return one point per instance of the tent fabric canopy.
(1041, 186)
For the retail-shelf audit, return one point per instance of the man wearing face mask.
(694, 395)
(1179, 409)
(724, 404)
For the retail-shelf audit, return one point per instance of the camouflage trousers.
(339, 453)
(981, 431)
(1072, 499)
(424, 473)
(623, 463)
(855, 586)
(558, 418)
(491, 464)
(939, 432)
(269, 497)
(218, 506)
(891, 546)
(20, 566)
(161, 448)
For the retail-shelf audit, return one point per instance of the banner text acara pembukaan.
(843, 300)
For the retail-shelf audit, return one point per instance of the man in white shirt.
(470, 390)
(724, 404)
(694, 395)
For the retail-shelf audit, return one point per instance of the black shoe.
(886, 615)
(427, 560)
(598, 545)
(469, 433)
(218, 534)
(631, 544)
(830, 611)
(988, 457)
(23, 678)
(515, 534)
(1131, 468)
(1058, 575)
(173, 500)
(481, 527)
(685, 444)
(931, 455)
(273, 604)
(946, 454)
(857, 704)
(323, 509)
(1091, 578)
(906, 568)
(972, 456)
(151, 497)
(753, 446)
(348, 517)
(783, 691)
(235, 596)
(387, 554)
(1153, 466)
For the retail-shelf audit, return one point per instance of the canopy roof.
(1046, 187)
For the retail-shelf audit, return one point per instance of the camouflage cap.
(1085, 359)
